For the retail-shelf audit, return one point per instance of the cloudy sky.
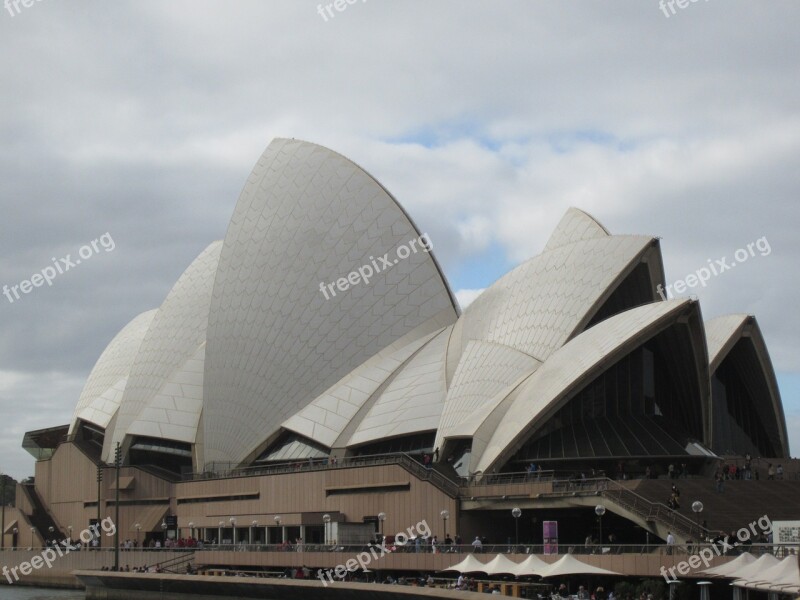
(487, 120)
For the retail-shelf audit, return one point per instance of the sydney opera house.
(277, 384)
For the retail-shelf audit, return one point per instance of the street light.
(278, 523)
(253, 525)
(191, 530)
(445, 515)
(381, 519)
(138, 528)
(233, 524)
(516, 513)
(697, 508)
(600, 510)
(219, 534)
(3, 517)
(326, 518)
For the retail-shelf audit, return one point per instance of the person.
(562, 591)
(779, 471)
(671, 471)
(600, 594)
(426, 460)
(460, 583)
(720, 482)
(770, 471)
(477, 544)
(436, 455)
(670, 542)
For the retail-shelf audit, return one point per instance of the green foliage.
(625, 588)
(8, 496)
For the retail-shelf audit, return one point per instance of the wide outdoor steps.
(740, 504)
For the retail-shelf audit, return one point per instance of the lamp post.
(138, 528)
(3, 516)
(233, 525)
(516, 513)
(33, 532)
(15, 531)
(219, 534)
(69, 531)
(117, 465)
(164, 530)
(697, 508)
(278, 523)
(381, 519)
(253, 525)
(445, 515)
(600, 510)
(99, 500)
(326, 518)
(191, 530)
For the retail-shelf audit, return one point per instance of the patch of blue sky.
(480, 270)
(560, 142)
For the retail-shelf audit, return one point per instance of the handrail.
(176, 561)
(402, 459)
(650, 511)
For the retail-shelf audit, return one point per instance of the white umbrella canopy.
(754, 569)
(730, 569)
(783, 576)
(501, 565)
(469, 565)
(569, 565)
(531, 566)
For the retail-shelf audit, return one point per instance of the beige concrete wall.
(68, 480)
(60, 573)
(641, 565)
(290, 495)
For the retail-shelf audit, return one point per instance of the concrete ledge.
(142, 586)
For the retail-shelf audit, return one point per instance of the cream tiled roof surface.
(721, 335)
(103, 390)
(608, 340)
(163, 397)
(258, 337)
(307, 216)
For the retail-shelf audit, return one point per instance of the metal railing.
(490, 549)
(404, 460)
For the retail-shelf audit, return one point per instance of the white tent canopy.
(469, 565)
(756, 568)
(731, 569)
(569, 565)
(783, 576)
(531, 566)
(500, 565)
